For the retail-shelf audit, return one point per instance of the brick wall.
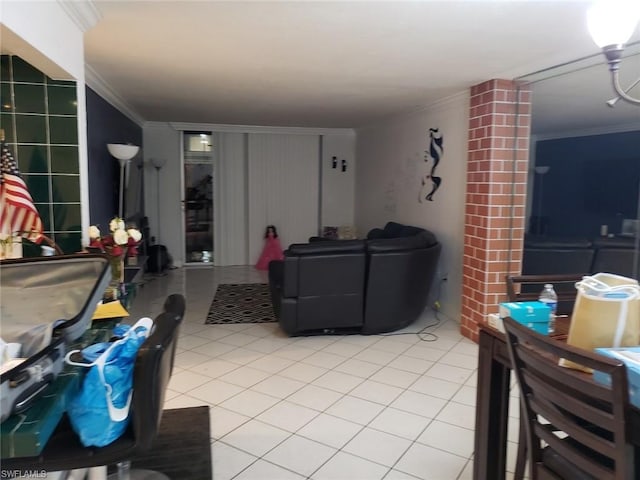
(497, 164)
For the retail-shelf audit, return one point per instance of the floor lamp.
(158, 163)
(541, 171)
(124, 154)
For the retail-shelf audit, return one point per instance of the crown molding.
(85, 14)
(587, 132)
(439, 104)
(102, 88)
(216, 127)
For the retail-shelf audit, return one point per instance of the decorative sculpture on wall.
(435, 152)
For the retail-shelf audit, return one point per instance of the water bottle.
(549, 297)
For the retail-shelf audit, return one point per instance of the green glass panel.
(31, 128)
(63, 130)
(62, 100)
(29, 98)
(4, 68)
(53, 81)
(64, 159)
(38, 186)
(6, 123)
(69, 242)
(32, 159)
(45, 216)
(65, 188)
(66, 216)
(23, 72)
(6, 104)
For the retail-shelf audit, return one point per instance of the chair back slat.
(569, 415)
(565, 378)
(574, 455)
(570, 418)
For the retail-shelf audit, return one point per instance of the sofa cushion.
(556, 242)
(392, 230)
(375, 233)
(326, 247)
(424, 239)
(409, 231)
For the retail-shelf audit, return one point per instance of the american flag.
(18, 215)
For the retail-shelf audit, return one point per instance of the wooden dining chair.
(575, 428)
(522, 288)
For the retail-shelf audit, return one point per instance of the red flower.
(132, 245)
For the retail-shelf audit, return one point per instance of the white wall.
(55, 40)
(161, 141)
(290, 174)
(388, 183)
(44, 35)
(338, 186)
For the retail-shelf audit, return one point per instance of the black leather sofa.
(548, 255)
(375, 285)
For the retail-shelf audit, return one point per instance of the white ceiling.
(322, 63)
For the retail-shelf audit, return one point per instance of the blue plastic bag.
(99, 413)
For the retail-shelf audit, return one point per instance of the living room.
(388, 176)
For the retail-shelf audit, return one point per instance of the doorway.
(197, 195)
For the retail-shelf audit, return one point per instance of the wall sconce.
(334, 162)
(344, 165)
(124, 154)
(611, 24)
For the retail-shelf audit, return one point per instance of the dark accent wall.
(106, 124)
(593, 181)
(40, 119)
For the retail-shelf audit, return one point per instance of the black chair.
(575, 428)
(522, 288)
(556, 260)
(152, 371)
(319, 286)
(615, 260)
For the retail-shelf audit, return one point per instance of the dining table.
(492, 402)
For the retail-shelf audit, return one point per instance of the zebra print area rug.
(241, 303)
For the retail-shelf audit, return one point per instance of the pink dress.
(271, 251)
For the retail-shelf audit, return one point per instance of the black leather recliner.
(319, 286)
(362, 286)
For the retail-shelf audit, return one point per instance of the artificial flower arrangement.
(116, 244)
(118, 241)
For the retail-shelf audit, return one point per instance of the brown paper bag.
(606, 314)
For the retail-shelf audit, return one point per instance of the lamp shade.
(122, 152)
(612, 22)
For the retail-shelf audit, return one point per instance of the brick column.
(497, 164)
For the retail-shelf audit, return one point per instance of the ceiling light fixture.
(611, 24)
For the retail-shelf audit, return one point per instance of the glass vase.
(115, 289)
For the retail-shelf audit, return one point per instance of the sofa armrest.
(290, 277)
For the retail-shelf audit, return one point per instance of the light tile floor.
(352, 407)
